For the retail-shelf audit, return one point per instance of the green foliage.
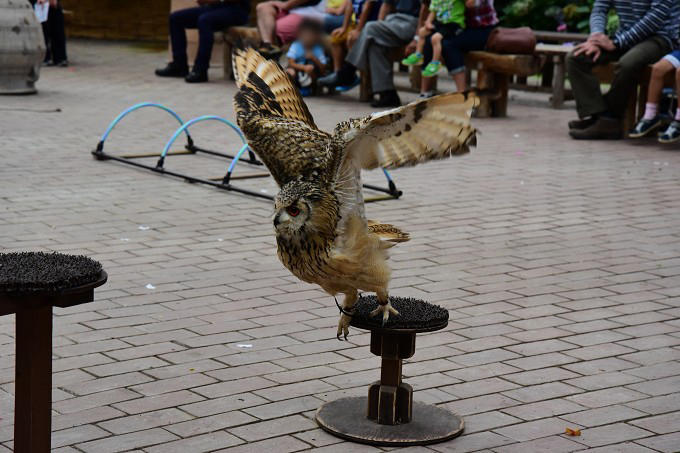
(548, 14)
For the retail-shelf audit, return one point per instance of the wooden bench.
(493, 76)
(551, 46)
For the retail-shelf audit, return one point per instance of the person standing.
(648, 31)
(396, 26)
(54, 34)
(210, 16)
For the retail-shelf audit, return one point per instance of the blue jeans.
(207, 19)
(455, 46)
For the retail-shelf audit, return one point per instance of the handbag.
(512, 40)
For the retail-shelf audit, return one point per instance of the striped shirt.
(639, 20)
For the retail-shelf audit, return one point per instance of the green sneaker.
(432, 69)
(415, 59)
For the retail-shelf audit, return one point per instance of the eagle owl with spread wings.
(322, 233)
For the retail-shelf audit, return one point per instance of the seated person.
(357, 13)
(648, 30)
(306, 57)
(335, 14)
(446, 18)
(396, 26)
(480, 20)
(281, 19)
(651, 119)
(210, 16)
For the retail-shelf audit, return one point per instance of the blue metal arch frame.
(127, 111)
(391, 191)
(184, 126)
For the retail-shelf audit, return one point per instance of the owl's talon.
(343, 325)
(386, 310)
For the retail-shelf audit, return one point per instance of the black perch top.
(414, 314)
(36, 272)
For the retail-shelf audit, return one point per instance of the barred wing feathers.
(434, 128)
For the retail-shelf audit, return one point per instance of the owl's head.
(303, 207)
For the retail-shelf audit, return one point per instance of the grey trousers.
(629, 65)
(370, 50)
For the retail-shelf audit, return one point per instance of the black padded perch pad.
(414, 314)
(31, 272)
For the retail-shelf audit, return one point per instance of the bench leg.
(484, 83)
(557, 99)
(501, 86)
(227, 72)
(33, 392)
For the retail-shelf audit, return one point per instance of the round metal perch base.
(346, 418)
(388, 416)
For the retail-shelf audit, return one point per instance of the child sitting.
(651, 119)
(306, 57)
(446, 18)
(357, 14)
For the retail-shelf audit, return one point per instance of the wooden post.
(365, 93)
(559, 76)
(33, 392)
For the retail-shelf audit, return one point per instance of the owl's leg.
(346, 312)
(384, 306)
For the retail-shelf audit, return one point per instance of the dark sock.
(609, 115)
(346, 74)
(388, 94)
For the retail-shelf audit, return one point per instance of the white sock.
(651, 109)
(677, 114)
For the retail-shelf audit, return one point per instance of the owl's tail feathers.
(388, 233)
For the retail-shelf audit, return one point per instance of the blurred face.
(308, 38)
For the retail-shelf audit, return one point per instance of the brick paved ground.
(559, 261)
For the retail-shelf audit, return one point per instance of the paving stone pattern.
(558, 260)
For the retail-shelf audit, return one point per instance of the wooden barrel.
(22, 47)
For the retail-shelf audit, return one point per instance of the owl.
(322, 234)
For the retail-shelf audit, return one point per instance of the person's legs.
(287, 27)
(650, 120)
(437, 47)
(179, 21)
(627, 72)
(585, 85)
(211, 21)
(375, 40)
(672, 133)
(266, 21)
(57, 35)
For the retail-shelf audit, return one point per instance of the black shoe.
(387, 99)
(58, 64)
(270, 52)
(196, 77)
(603, 129)
(173, 70)
(582, 124)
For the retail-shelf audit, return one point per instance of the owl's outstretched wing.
(434, 128)
(275, 120)
(277, 94)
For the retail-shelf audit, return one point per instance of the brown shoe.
(582, 123)
(602, 129)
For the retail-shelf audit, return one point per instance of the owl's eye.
(294, 211)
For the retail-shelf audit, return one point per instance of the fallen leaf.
(573, 432)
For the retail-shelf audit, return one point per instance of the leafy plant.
(567, 15)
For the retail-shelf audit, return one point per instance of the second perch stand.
(388, 416)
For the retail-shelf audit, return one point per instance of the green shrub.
(549, 15)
